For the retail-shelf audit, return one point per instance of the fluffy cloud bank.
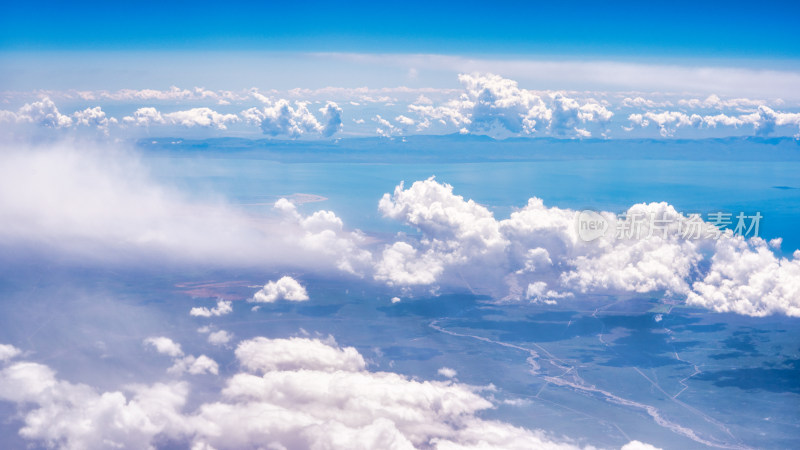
(290, 393)
(497, 105)
(280, 118)
(486, 104)
(764, 120)
(97, 202)
(100, 205)
(537, 254)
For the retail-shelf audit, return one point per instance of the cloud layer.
(100, 206)
(289, 393)
(538, 255)
(485, 103)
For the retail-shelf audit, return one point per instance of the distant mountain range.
(475, 148)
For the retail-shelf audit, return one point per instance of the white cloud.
(201, 117)
(385, 128)
(447, 372)
(266, 355)
(487, 104)
(75, 416)
(93, 118)
(8, 352)
(322, 233)
(537, 254)
(713, 101)
(219, 337)
(307, 392)
(165, 346)
(281, 118)
(403, 120)
(195, 117)
(191, 364)
(286, 288)
(98, 203)
(640, 102)
(291, 393)
(496, 105)
(174, 94)
(332, 118)
(194, 365)
(144, 117)
(43, 112)
(456, 231)
(747, 278)
(764, 120)
(537, 292)
(101, 200)
(223, 307)
(638, 445)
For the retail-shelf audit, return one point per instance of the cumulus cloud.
(165, 346)
(447, 372)
(194, 365)
(290, 393)
(223, 307)
(102, 200)
(195, 117)
(219, 337)
(266, 355)
(747, 278)
(455, 231)
(287, 288)
(201, 117)
(8, 351)
(281, 118)
(332, 119)
(764, 120)
(713, 101)
(144, 117)
(486, 104)
(323, 234)
(385, 128)
(189, 364)
(43, 112)
(537, 254)
(307, 392)
(93, 118)
(75, 416)
(497, 105)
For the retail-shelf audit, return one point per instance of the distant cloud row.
(486, 104)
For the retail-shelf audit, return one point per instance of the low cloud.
(281, 118)
(498, 106)
(289, 393)
(194, 365)
(286, 288)
(537, 254)
(223, 307)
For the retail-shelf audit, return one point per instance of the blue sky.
(630, 28)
